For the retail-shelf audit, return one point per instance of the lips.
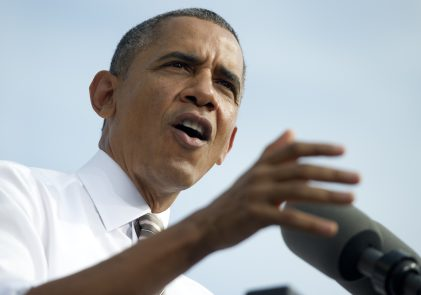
(192, 129)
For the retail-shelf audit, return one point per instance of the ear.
(229, 147)
(101, 91)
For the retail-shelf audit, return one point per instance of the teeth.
(193, 125)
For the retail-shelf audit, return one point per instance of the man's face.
(175, 112)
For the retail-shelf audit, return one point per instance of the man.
(170, 103)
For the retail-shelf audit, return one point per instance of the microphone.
(364, 257)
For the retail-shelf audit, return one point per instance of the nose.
(200, 92)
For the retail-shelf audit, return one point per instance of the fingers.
(285, 138)
(306, 222)
(299, 220)
(295, 150)
(311, 172)
(278, 177)
(302, 192)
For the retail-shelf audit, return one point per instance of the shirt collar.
(115, 197)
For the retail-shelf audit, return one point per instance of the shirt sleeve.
(22, 256)
(183, 285)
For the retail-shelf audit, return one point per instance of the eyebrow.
(193, 59)
(182, 56)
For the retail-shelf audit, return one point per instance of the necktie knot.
(147, 225)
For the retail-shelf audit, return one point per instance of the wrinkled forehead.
(201, 38)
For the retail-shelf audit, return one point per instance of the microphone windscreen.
(337, 256)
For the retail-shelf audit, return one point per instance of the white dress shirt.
(53, 224)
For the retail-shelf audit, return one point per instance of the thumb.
(285, 138)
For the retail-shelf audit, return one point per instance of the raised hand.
(255, 200)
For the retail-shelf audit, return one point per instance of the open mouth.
(194, 126)
(192, 129)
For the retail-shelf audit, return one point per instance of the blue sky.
(346, 72)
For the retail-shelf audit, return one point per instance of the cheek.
(226, 124)
(151, 102)
(227, 118)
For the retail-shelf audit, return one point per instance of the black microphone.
(364, 257)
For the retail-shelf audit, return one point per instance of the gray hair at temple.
(142, 35)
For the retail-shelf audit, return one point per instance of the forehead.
(201, 38)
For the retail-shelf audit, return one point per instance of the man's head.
(140, 36)
(171, 105)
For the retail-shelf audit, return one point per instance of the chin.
(182, 175)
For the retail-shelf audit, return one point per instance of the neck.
(157, 198)
(158, 201)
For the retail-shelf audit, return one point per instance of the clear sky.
(345, 72)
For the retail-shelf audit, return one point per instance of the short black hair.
(141, 36)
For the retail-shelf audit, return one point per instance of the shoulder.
(26, 188)
(27, 178)
(14, 175)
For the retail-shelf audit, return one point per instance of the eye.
(178, 65)
(229, 86)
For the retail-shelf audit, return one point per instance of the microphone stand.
(391, 273)
(284, 290)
